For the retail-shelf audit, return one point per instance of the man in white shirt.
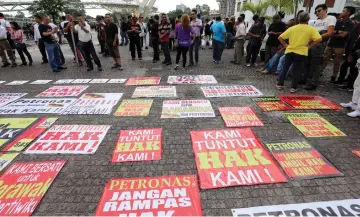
(5, 47)
(239, 41)
(196, 25)
(86, 45)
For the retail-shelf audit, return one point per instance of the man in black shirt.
(124, 28)
(154, 33)
(272, 43)
(52, 49)
(112, 41)
(257, 33)
(134, 35)
(230, 33)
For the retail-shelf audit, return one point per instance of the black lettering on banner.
(328, 212)
(344, 212)
(305, 212)
(355, 207)
(275, 213)
(259, 214)
(291, 213)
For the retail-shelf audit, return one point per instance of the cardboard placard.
(229, 91)
(139, 81)
(64, 81)
(41, 82)
(81, 81)
(271, 104)
(6, 158)
(192, 79)
(98, 81)
(21, 82)
(240, 117)
(63, 91)
(155, 91)
(187, 109)
(116, 81)
(134, 107)
(309, 102)
(356, 152)
(6, 98)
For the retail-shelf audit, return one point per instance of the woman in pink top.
(18, 36)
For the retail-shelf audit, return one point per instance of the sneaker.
(248, 64)
(133, 59)
(30, 63)
(351, 105)
(89, 69)
(5, 65)
(354, 114)
(140, 58)
(146, 47)
(265, 72)
(45, 62)
(176, 66)
(332, 80)
(116, 66)
(259, 70)
(100, 69)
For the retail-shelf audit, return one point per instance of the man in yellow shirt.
(301, 38)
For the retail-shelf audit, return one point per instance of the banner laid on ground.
(138, 145)
(37, 106)
(17, 83)
(240, 117)
(192, 79)
(151, 196)
(64, 81)
(6, 98)
(271, 103)
(24, 184)
(116, 81)
(326, 208)
(81, 81)
(94, 104)
(6, 158)
(143, 81)
(356, 152)
(313, 125)
(98, 81)
(134, 107)
(69, 139)
(155, 91)
(187, 109)
(300, 160)
(1, 82)
(41, 82)
(232, 157)
(62, 91)
(17, 133)
(309, 102)
(228, 91)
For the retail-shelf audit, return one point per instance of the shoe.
(169, 63)
(265, 72)
(13, 65)
(257, 70)
(255, 64)
(176, 66)
(346, 88)
(338, 82)
(155, 61)
(146, 47)
(351, 105)
(115, 66)
(354, 114)
(89, 69)
(5, 65)
(196, 64)
(310, 87)
(80, 63)
(191, 64)
(216, 62)
(332, 80)
(183, 69)
(62, 67)
(248, 64)
(121, 44)
(164, 62)
(45, 62)
(30, 63)
(56, 70)
(140, 58)
(133, 59)
(23, 64)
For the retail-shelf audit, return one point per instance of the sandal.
(279, 87)
(293, 90)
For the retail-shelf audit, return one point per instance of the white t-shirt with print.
(323, 25)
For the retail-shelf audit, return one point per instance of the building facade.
(227, 8)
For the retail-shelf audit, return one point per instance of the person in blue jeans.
(46, 32)
(218, 30)
(272, 63)
(280, 68)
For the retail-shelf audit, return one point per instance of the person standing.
(154, 34)
(17, 35)
(143, 33)
(218, 30)
(5, 49)
(239, 41)
(46, 33)
(134, 31)
(124, 32)
(230, 33)
(256, 33)
(196, 25)
(207, 32)
(337, 42)
(301, 38)
(183, 34)
(272, 43)
(112, 41)
(86, 45)
(325, 26)
(101, 35)
(164, 32)
(72, 38)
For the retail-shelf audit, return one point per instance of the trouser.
(314, 64)
(74, 50)
(273, 62)
(253, 49)
(62, 58)
(165, 49)
(87, 49)
(218, 48)
(338, 57)
(195, 47)
(171, 43)
(280, 66)
(229, 39)
(102, 46)
(42, 49)
(183, 51)
(239, 50)
(352, 76)
(155, 46)
(22, 49)
(356, 94)
(5, 48)
(269, 52)
(298, 63)
(208, 41)
(135, 44)
(124, 37)
(54, 55)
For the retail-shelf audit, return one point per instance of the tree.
(175, 13)
(259, 9)
(205, 9)
(20, 14)
(297, 3)
(198, 9)
(282, 5)
(77, 8)
(49, 7)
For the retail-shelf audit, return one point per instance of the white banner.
(327, 208)
(155, 91)
(64, 81)
(187, 109)
(98, 81)
(94, 104)
(116, 81)
(41, 82)
(36, 105)
(6, 98)
(192, 79)
(17, 83)
(81, 81)
(228, 91)
(63, 91)
(1, 82)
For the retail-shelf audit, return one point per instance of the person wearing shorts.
(112, 41)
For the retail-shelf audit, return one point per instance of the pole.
(75, 51)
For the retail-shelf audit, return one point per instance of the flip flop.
(279, 87)
(292, 90)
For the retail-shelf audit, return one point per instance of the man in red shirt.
(164, 32)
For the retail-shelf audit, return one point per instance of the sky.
(169, 5)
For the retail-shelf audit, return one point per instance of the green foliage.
(283, 5)
(259, 9)
(76, 8)
(176, 13)
(20, 14)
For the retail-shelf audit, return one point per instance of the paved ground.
(78, 187)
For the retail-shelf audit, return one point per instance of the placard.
(17, 82)
(232, 157)
(17, 133)
(143, 81)
(300, 160)
(327, 208)
(155, 91)
(313, 125)
(98, 81)
(192, 79)
(187, 109)
(41, 82)
(271, 104)
(94, 104)
(138, 145)
(151, 196)
(24, 184)
(62, 91)
(309, 102)
(64, 81)
(240, 117)
(356, 152)
(81, 81)
(116, 81)
(69, 139)
(229, 91)
(1, 82)
(6, 98)
(37, 106)
(6, 158)
(134, 107)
